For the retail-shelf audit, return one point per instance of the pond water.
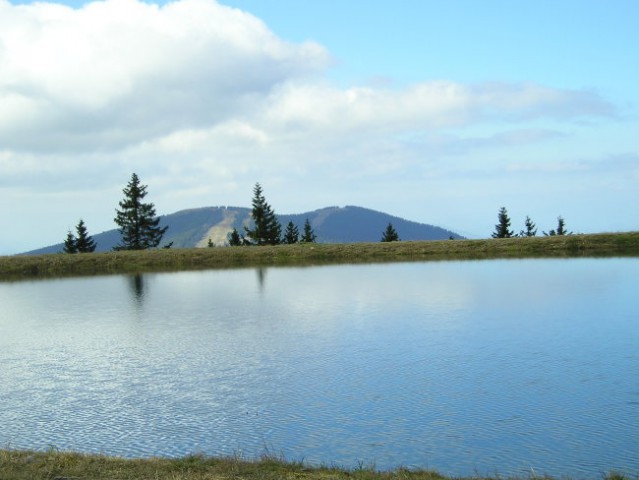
(510, 367)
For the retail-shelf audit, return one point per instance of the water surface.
(508, 367)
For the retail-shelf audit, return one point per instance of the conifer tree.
(309, 235)
(84, 242)
(266, 228)
(234, 239)
(531, 228)
(502, 228)
(292, 234)
(390, 234)
(138, 223)
(69, 244)
(561, 228)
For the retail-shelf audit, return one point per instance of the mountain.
(194, 227)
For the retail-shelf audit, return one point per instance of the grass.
(55, 465)
(52, 265)
(52, 465)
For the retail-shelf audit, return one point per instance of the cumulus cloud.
(117, 72)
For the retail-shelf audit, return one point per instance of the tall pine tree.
(84, 242)
(502, 228)
(309, 235)
(69, 244)
(531, 228)
(266, 228)
(390, 234)
(234, 239)
(138, 224)
(561, 228)
(292, 234)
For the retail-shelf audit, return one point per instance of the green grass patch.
(52, 265)
(30, 465)
(56, 465)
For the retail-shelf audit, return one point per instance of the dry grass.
(605, 244)
(23, 465)
(55, 465)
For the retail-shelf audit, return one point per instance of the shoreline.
(61, 465)
(22, 267)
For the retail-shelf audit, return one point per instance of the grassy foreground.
(604, 244)
(54, 465)
(23, 465)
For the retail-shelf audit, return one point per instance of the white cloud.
(120, 72)
(312, 128)
(428, 105)
(117, 72)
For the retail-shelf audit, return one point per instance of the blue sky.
(436, 111)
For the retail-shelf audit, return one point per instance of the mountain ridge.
(193, 227)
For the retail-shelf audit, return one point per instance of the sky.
(436, 111)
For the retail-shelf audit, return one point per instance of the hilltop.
(349, 224)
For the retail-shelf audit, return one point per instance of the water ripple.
(421, 365)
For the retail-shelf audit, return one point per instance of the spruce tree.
(234, 239)
(266, 228)
(309, 235)
(502, 228)
(138, 223)
(390, 234)
(292, 234)
(69, 244)
(561, 228)
(84, 242)
(531, 228)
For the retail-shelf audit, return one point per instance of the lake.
(510, 367)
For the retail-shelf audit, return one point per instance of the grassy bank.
(28, 465)
(607, 244)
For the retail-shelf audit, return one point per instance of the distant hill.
(194, 227)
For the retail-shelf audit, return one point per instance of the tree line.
(139, 226)
(266, 228)
(502, 229)
(268, 231)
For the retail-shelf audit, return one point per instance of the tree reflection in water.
(136, 283)
(261, 277)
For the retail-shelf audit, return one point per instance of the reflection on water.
(136, 283)
(261, 277)
(465, 367)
